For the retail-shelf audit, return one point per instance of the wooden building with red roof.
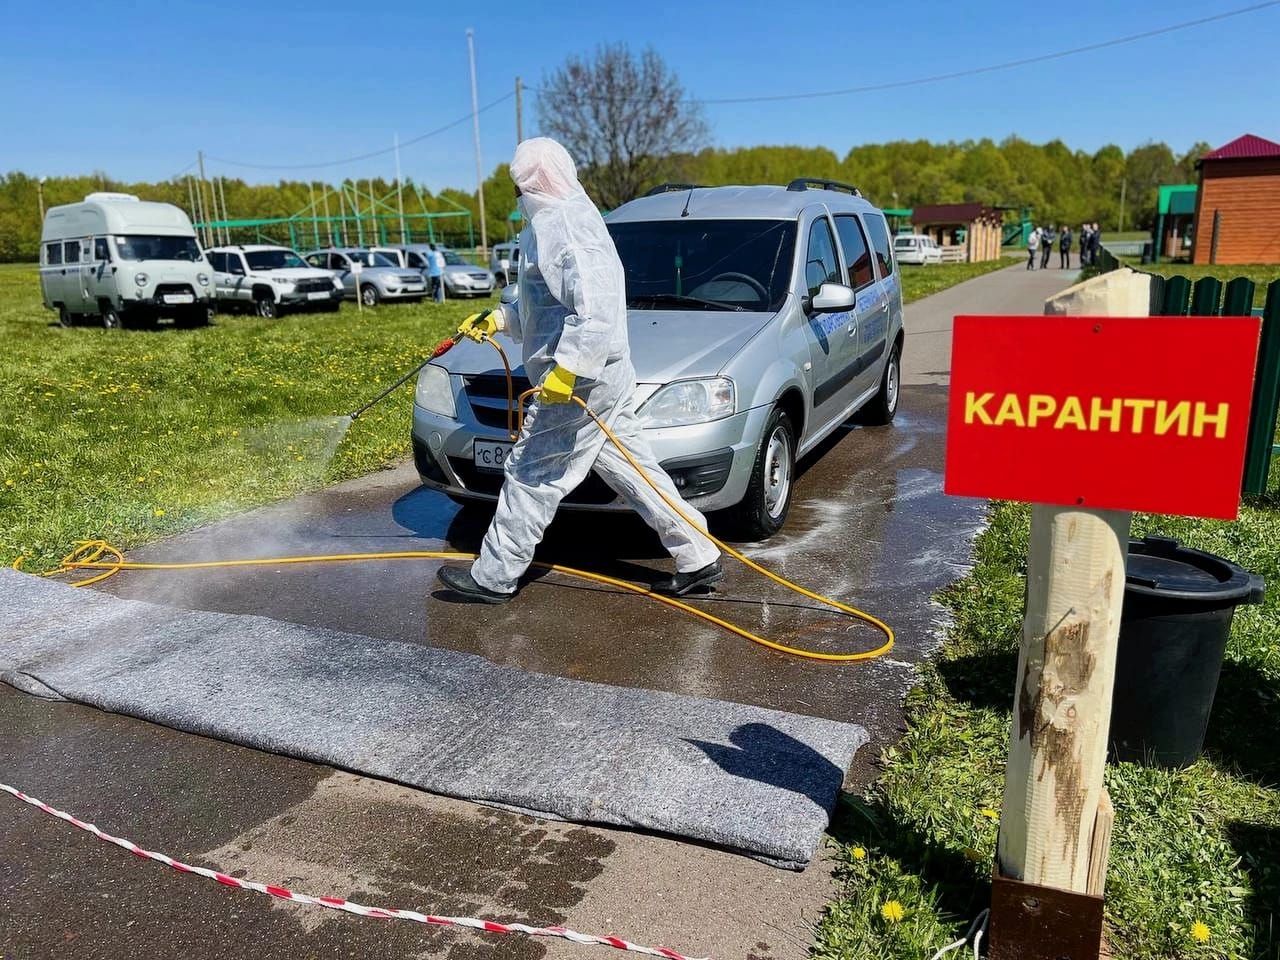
(1238, 203)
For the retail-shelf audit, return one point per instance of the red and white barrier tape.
(337, 903)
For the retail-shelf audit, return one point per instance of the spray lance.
(443, 347)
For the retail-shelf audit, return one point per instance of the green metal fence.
(1179, 296)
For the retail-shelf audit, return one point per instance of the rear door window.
(53, 253)
(821, 263)
(880, 243)
(856, 253)
(71, 251)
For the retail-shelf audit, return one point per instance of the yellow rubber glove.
(479, 325)
(558, 386)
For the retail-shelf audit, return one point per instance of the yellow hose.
(89, 555)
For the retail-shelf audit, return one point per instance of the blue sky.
(135, 89)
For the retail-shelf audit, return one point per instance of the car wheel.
(265, 307)
(193, 317)
(763, 511)
(110, 317)
(65, 317)
(884, 405)
(369, 295)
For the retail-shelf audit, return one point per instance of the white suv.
(268, 279)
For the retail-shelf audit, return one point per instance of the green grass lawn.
(1198, 844)
(918, 282)
(130, 435)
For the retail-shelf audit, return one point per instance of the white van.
(118, 259)
(916, 248)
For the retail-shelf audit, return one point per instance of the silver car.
(369, 275)
(761, 319)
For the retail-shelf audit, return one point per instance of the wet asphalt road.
(869, 525)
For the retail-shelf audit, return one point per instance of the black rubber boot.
(459, 580)
(683, 583)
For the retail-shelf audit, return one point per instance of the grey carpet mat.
(755, 780)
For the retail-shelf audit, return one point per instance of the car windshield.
(707, 264)
(904, 242)
(453, 260)
(367, 258)
(147, 247)
(273, 260)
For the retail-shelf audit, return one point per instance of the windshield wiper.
(680, 300)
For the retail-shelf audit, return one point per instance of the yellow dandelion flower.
(1200, 932)
(158, 512)
(989, 813)
(859, 853)
(893, 911)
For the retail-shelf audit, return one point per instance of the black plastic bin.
(1178, 607)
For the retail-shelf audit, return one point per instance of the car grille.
(487, 395)
(316, 285)
(482, 277)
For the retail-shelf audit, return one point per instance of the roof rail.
(671, 188)
(800, 184)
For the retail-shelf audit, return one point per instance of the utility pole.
(40, 197)
(373, 212)
(475, 127)
(226, 217)
(1123, 183)
(399, 193)
(204, 232)
(191, 197)
(519, 111)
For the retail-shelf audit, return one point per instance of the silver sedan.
(760, 319)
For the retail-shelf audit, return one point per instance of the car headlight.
(435, 392)
(203, 279)
(140, 279)
(689, 401)
(283, 281)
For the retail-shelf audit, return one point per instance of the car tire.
(65, 317)
(763, 511)
(265, 308)
(369, 295)
(109, 316)
(883, 407)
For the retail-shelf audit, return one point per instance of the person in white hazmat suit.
(571, 320)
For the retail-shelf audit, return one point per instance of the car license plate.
(179, 298)
(414, 288)
(491, 455)
(318, 296)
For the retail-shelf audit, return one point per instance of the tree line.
(1058, 183)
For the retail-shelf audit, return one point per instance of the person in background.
(1047, 241)
(435, 269)
(1033, 247)
(1064, 247)
(1095, 242)
(1084, 245)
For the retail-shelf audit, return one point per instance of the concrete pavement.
(869, 525)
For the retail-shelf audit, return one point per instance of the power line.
(373, 153)
(973, 71)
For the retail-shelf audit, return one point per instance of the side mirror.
(510, 294)
(832, 298)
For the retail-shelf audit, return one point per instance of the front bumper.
(415, 292)
(710, 463)
(155, 303)
(475, 288)
(295, 299)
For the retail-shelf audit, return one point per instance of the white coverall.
(572, 311)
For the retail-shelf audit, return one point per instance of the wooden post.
(1062, 706)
